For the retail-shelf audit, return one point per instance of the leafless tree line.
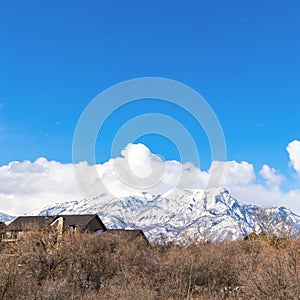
(86, 266)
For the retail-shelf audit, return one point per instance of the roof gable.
(80, 221)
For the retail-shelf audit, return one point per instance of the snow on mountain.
(183, 214)
(6, 218)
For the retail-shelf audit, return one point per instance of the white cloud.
(293, 149)
(27, 186)
(236, 173)
(140, 170)
(259, 195)
(139, 159)
(272, 176)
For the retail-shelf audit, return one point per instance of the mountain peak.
(212, 213)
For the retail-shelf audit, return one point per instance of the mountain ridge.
(181, 214)
(6, 218)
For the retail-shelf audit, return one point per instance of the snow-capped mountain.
(6, 218)
(183, 214)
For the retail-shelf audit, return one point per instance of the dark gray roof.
(129, 234)
(22, 223)
(80, 221)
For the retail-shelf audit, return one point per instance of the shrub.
(98, 267)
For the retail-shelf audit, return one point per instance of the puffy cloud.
(293, 149)
(140, 170)
(27, 186)
(272, 176)
(139, 159)
(236, 173)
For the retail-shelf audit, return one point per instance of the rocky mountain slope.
(180, 215)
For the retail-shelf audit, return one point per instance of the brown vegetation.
(86, 266)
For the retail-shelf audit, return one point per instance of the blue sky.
(243, 57)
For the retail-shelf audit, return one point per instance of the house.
(90, 223)
(80, 223)
(131, 235)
